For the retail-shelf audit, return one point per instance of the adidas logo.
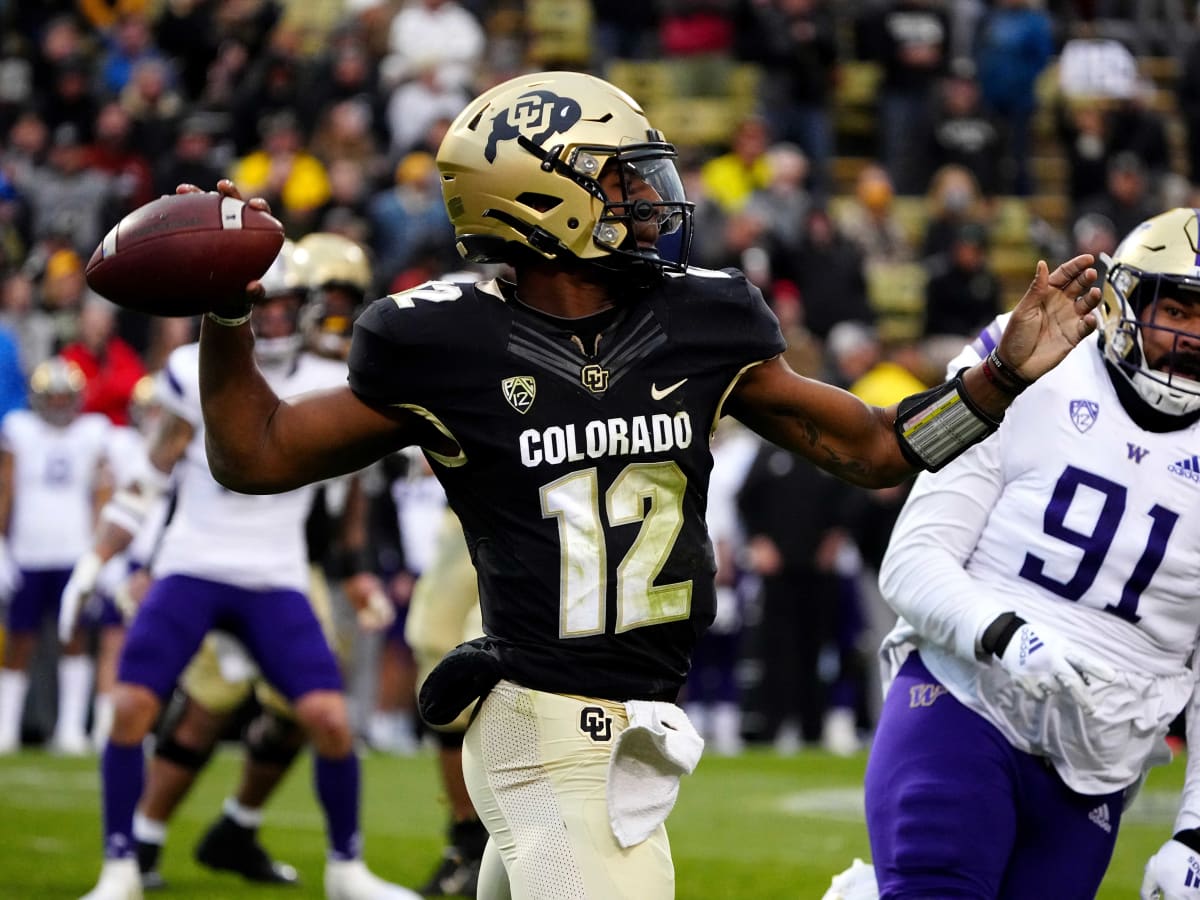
(1099, 816)
(1192, 878)
(1188, 467)
(1029, 643)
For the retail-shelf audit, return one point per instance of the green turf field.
(758, 826)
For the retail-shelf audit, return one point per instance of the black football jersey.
(584, 465)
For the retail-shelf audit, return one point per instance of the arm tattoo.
(848, 469)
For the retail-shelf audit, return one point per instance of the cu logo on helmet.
(537, 114)
(595, 724)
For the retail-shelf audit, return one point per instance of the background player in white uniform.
(419, 501)
(330, 275)
(238, 563)
(106, 609)
(1046, 583)
(443, 613)
(52, 479)
(216, 683)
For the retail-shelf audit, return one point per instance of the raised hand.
(1054, 315)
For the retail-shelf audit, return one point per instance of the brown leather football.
(184, 254)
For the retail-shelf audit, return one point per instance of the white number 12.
(575, 501)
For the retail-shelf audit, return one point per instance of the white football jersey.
(251, 541)
(54, 484)
(128, 458)
(420, 505)
(733, 451)
(1075, 518)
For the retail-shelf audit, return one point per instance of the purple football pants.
(954, 810)
(39, 596)
(278, 627)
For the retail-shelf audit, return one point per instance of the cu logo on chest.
(594, 378)
(595, 724)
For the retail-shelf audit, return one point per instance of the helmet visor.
(649, 206)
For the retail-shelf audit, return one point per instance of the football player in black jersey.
(568, 416)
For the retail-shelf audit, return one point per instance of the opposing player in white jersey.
(1045, 583)
(236, 563)
(52, 476)
(126, 457)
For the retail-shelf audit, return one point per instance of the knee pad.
(272, 739)
(185, 757)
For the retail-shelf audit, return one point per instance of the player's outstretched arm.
(260, 444)
(878, 447)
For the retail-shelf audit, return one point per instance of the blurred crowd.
(1051, 128)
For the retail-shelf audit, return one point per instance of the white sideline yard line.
(35, 787)
(37, 777)
(846, 805)
(50, 846)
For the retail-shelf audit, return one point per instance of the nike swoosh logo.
(658, 395)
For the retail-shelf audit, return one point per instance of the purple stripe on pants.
(278, 627)
(954, 810)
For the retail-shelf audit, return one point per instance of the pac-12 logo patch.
(595, 723)
(537, 114)
(1084, 413)
(519, 391)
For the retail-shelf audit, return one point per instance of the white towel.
(647, 761)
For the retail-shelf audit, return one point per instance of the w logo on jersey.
(538, 115)
(1084, 413)
(519, 391)
(1136, 453)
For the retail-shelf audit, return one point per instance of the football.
(184, 254)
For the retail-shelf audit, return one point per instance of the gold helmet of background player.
(521, 165)
(56, 390)
(1159, 258)
(336, 272)
(143, 400)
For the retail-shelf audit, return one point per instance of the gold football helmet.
(521, 167)
(56, 390)
(1159, 258)
(337, 274)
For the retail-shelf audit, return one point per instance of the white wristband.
(229, 323)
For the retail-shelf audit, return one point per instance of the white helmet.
(1159, 258)
(282, 279)
(56, 390)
